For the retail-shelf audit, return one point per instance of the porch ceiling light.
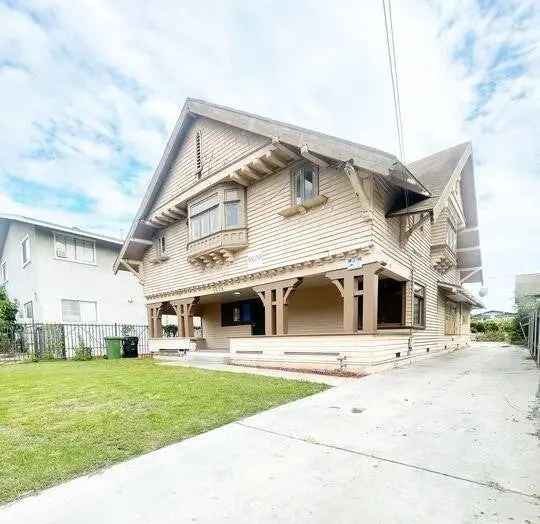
(236, 293)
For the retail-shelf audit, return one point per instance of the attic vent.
(198, 151)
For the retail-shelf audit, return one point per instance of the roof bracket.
(304, 151)
(408, 232)
(357, 183)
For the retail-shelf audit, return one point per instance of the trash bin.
(114, 347)
(130, 347)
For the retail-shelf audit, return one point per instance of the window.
(198, 152)
(244, 312)
(306, 183)
(232, 208)
(25, 250)
(3, 272)
(75, 249)
(79, 311)
(28, 309)
(419, 305)
(451, 237)
(390, 303)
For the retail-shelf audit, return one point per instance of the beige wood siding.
(335, 227)
(216, 335)
(221, 145)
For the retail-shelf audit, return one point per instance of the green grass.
(62, 419)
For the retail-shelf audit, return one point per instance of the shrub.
(82, 352)
(170, 330)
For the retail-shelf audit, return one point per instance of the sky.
(90, 91)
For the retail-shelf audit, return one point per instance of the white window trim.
(219, 193)
(28, 251)
(73, 260)
(96, 321)
(294, 171)
(3, 264)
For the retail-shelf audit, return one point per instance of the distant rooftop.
(6, 217)
(527, 285)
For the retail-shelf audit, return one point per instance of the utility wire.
(392, 63)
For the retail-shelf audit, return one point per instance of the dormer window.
(306, 183)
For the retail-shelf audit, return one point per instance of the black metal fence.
(61, 341)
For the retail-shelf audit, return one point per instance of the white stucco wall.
(47, 280)
(22, 281)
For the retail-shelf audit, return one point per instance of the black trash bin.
(130, 347)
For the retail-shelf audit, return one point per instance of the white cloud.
(100, 85)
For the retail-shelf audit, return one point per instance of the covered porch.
(338, 306)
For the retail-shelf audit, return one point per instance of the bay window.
(221, 210)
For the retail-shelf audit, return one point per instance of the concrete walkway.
(448, 440)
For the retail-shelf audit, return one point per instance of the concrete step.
(194, 356)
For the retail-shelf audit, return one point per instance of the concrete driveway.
(450, 439)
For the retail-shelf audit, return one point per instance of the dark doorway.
(244, 312)
(390, 310)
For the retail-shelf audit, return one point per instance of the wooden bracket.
(407, 234)
(304, 151)
(357, 184)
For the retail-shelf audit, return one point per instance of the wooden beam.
(407, 234)
(259, 166)
(304, 151)
(131, 270)
(357, 185)
(273, 159)
(141, 241)
(286, 150)
(239, 179)
(249, 173)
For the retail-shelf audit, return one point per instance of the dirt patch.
(325, 372)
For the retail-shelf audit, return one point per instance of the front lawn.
(62, 419)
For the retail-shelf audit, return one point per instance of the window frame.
(25, 305)
(4, 277)
(218, 199)
(295, 171)
(26, 239)
(74, 259)
(79, 302)
(422, 297)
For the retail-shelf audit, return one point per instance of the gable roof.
(363, 157)
(6, 218)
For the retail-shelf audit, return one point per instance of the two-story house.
(61, 274)
(293, 247)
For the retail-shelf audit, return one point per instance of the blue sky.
(91, 91)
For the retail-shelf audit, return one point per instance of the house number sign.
(254, 260)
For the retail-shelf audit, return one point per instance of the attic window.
(198, 152)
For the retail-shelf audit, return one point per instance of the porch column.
(150, 316)
(184, 314)
(274, 297)
(353, 284)
(158, 329)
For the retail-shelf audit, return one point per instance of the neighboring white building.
(64, 274)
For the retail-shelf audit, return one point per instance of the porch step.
(216, 357)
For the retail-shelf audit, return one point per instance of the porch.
(320, 315)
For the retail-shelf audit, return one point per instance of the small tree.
(8, 308)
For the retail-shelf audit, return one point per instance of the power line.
(392, 63)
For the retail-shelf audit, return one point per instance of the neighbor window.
(419, 305)
(451, 237)
(79, 311)
(76, 249)
(28, 310)
(25, 251)
(306, 183)
(3, 272)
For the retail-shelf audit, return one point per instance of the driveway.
(450, 439)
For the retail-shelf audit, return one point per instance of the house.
(527, 287)
(294, 247)
(63, 274)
